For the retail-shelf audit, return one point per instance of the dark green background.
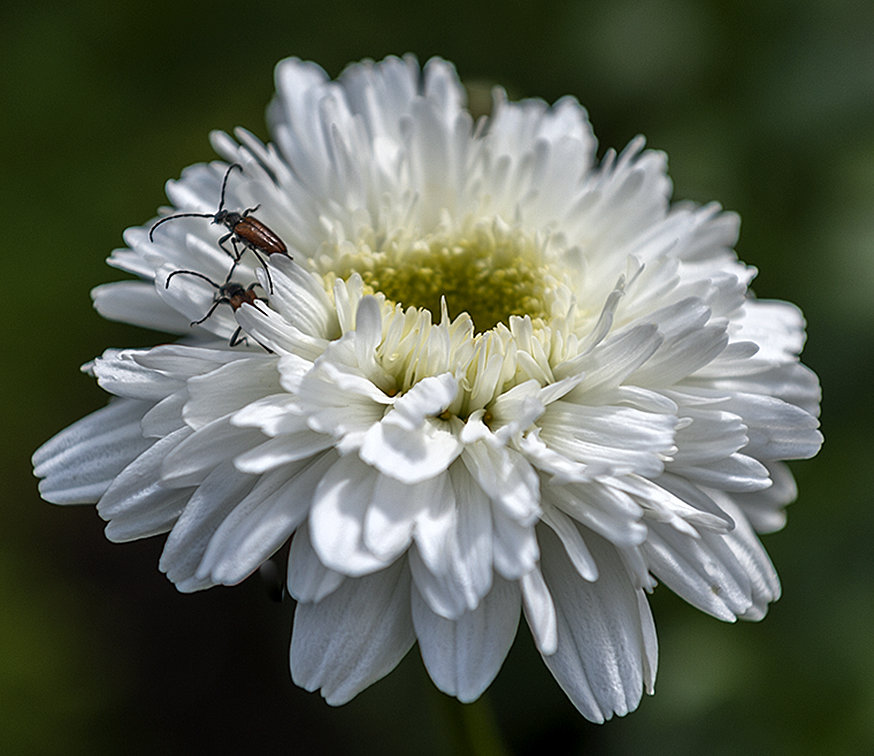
(766, 106)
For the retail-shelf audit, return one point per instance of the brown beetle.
(245, 230)
(229, 292)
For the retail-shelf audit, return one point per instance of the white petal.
(751, 555)
(443, 591)
(606, 640)
(138, 487)
(540, 612)
(737, 472)
(463, 656)
(341, 402)
(506, 477)
(389, 522)
(181, 360)
(681, 356)
(300, 298)
(410, 456)
(765, 509)
(572, 540)
(611, 361)
(213, 445)
(677, 501)
(606, 509)
(120, 373)
(557, 465)
(145, 522)
(711, 435)
(516, 409)
(271, 330)
(213, 500)
(139, 304)
(702, 570)
(308, 579)
(274, 414)
(777, 430)
(777, 327)
(452, 564)
(165, 417)
(280, 451)
(229, 388)
(437, 522)
(793, 382)
(514, 545)
(353, 637)
(620, 440)
(427, 398)
(80, 463)
(368, 332)
(731, 570)
(262, 521)
(337, 518)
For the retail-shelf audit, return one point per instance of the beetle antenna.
(190, 273)
(225, 183)
(173, 217)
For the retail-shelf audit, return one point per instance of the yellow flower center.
(490, 273)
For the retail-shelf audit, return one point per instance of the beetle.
(243, 229)
(230, 292)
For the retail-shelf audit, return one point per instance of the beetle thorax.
(227, 218)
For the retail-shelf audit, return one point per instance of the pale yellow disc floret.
(490, 271)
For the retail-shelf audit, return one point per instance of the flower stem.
(472, 727)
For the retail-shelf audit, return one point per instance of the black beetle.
(230, 292)
(244, 229)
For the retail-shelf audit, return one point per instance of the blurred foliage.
(766, 106)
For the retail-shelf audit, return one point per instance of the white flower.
(493, 375)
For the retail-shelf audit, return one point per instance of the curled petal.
(337, 517)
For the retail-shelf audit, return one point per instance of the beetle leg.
(211, 310)
(266, 269)
(231, 272)
(235, 255)
(221, 242)
(251, 210)
(235, 338)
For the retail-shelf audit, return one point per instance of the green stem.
(472, 727)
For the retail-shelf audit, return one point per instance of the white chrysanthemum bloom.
(494, 375)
